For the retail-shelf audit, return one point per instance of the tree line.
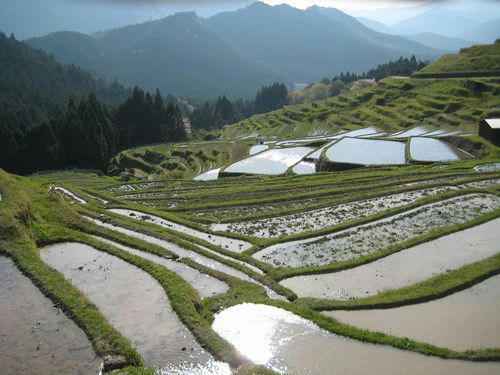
(87, 134)
(222, 112)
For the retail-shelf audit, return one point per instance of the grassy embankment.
(31, 218)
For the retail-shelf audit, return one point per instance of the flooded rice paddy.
(468, 319)
(205, 285)
(490, 167)
(304, 167)
(273, 162)
(224, 242)
(368, 238)
(324, 217)
(258, 148)
(414, 132)
(404, 268)
(34, 334)
(183, 253)
(367, 152)
(68, 193)
(430, 149)
(208, 176)
(142, 313)
(289, 344)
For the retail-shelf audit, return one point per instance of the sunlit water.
(289, 344)
(272, 162)
(367, 152)
(430, 149)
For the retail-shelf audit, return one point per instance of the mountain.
(375, 25)
(307, 45)
(441, 42)
(485, 33)
(35, 87)
(178, 54)
(43, 17)
(437, 20)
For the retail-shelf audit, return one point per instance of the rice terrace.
(347, 233)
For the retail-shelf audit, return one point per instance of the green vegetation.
(173, 50)
(178, 160)
(392, 104)
(476, 59)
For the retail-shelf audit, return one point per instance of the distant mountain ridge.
(232, 53)
(307, 45)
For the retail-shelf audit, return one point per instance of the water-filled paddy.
(368, 238)
(490, 167)
(324, 217)
(205, 285)
(183, 253)
(404, 268)
(367, 152)
(208, 176)
(414, 132)
(36, 335)
(430, 149)
(227, 243)
(258, 148)
(304, 167)
(69, 194)
(290, 344)
(132, 301)
(468, 319)
(272, 162)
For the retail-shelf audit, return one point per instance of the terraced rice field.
(206, 276)
(368, 238)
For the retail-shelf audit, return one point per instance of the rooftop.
(494, 123)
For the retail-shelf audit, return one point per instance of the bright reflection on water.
(208, 368)
(259, 331)
(289, 344)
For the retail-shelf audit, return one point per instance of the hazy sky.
(348, 4)
(28, 18)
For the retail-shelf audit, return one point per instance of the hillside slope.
(393, 103)
(480, 58)
(177, 54)
(34, 87)
(307, 45)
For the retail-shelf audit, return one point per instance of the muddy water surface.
(403, 268)
(205, 285)
(464, 320)
(224, 242)
(289, 344)
(187, 254)
(132, 301)
(35, 336)
(368, 238)
(325, 217)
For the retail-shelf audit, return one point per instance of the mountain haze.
(307, 45)
(232, 53)
(177, 54)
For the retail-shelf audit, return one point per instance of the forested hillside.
(232, 53)
(57, 116)
(178, 54)
(34, 87)
(307, 45)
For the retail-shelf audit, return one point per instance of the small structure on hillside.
(489, 129)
